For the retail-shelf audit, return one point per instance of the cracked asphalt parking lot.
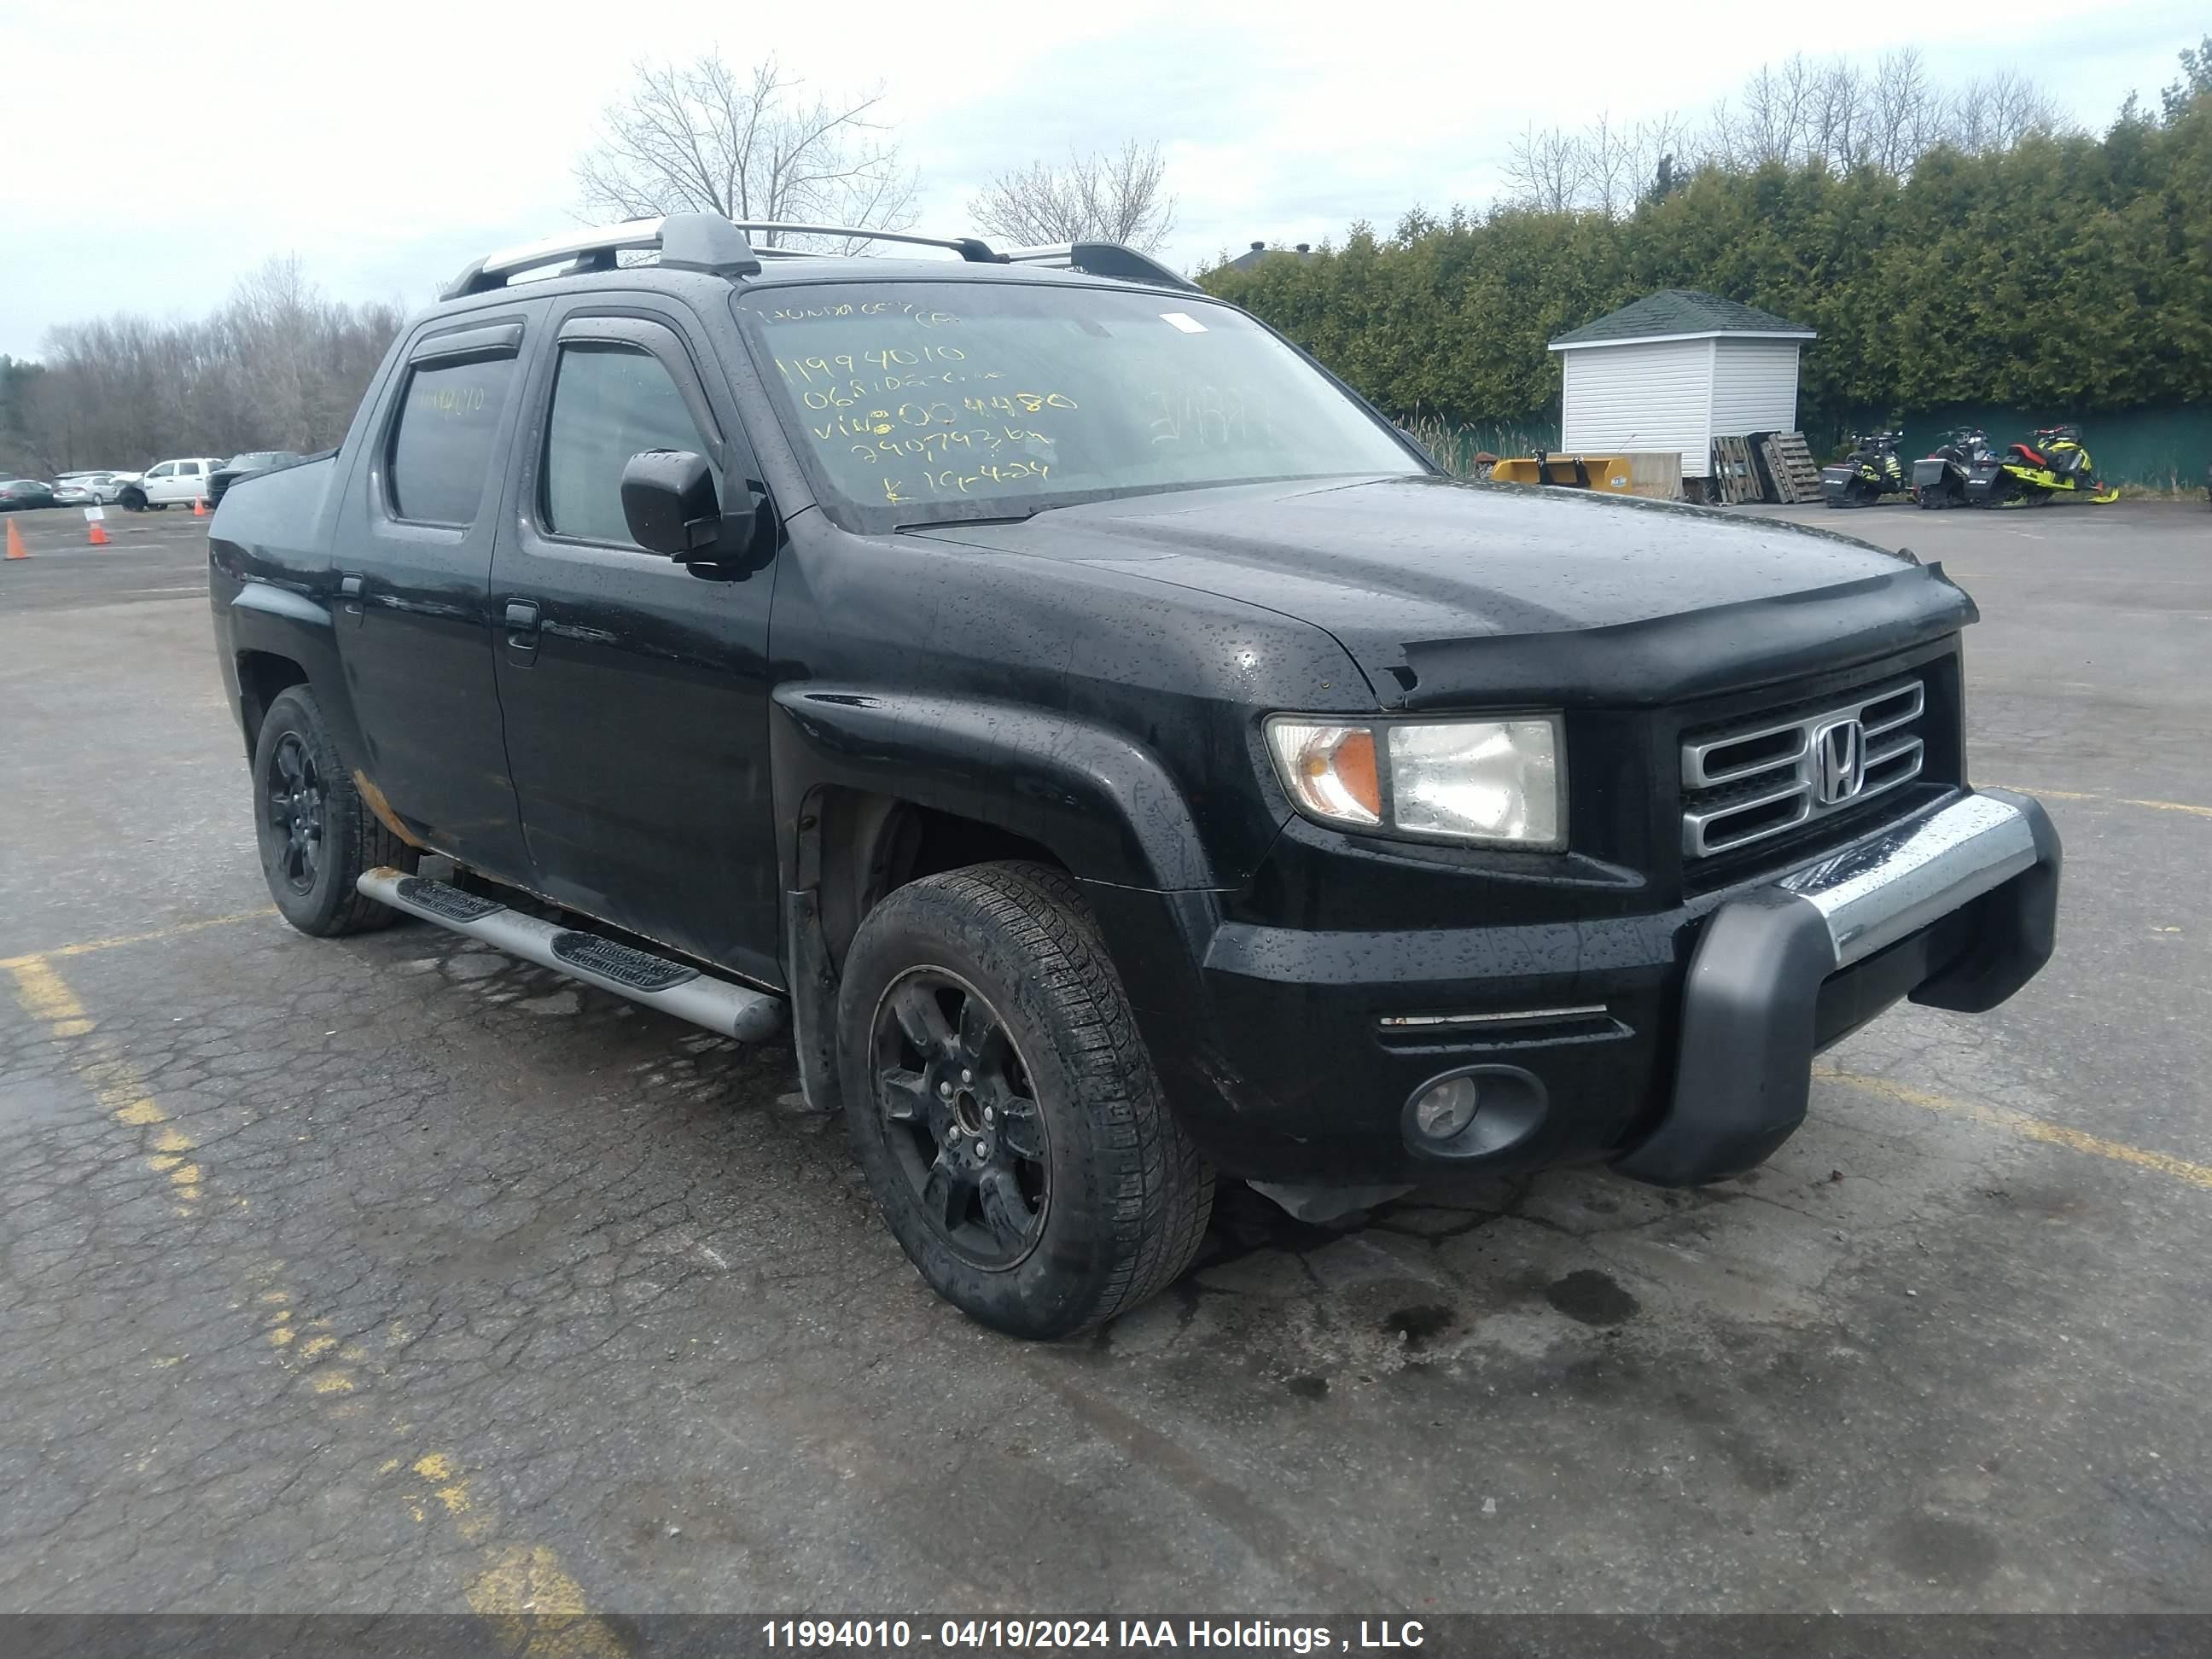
(389, 1274)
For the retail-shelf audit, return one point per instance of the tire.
(1017, 1145)
(301, 783)
(132, 500)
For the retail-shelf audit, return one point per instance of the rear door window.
(441, 445)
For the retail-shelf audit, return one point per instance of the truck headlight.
(1492, 782)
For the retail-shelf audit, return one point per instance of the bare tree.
(1777, 114)
(1610, 174)
(1546, 169)
(280, 367)
(1662, 155)
(1112, 196)
(273, 335)
(1834, 115)
(1995, 113)
(1905, 114)
(1838, 116)
(756, 144)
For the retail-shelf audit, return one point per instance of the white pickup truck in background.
(182, 480)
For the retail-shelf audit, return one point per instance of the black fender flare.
(1099, 799)
(279, 621)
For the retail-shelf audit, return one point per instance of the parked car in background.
(25, 492)
(68, 492)
(104, 486)
(246, 464)
(168, 482)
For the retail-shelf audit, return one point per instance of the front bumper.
(1677, 1045)
(1752, 1014)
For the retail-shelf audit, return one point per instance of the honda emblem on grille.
(1839, 755)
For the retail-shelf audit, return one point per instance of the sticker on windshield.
(1183, 320)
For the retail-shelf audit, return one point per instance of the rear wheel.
(316, 834)
(1004, 1108)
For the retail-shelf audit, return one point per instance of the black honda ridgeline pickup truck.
(1122, 754)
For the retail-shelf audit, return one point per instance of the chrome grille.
(1769, 775)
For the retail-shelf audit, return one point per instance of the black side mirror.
(669, 504)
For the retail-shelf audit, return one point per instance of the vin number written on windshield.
(892, 406)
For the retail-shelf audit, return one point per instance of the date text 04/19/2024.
(1241, 1635)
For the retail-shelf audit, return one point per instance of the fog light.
(1444, 1108)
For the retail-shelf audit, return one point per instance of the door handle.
(349, 597)
(522, 630)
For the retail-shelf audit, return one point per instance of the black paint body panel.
(1093, 681)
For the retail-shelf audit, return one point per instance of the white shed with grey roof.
(1674, 371)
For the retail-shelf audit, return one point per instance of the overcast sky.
(154, 153)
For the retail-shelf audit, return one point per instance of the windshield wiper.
(954, 524)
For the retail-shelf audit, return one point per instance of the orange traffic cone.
(15, 548)
(99, 536)
(199, 506)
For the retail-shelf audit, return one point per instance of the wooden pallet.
(1789, 463)
(1735, 472)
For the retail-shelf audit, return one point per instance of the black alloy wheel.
(315, 832)
(961, 1117)
(293, 790)
(1004, 1108)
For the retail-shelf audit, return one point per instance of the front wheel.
(316, 834)
(1004, 1108)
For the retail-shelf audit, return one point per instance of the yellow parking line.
(45, 996)
(153, 937)
(539, 1604)
(2027, 1128)
(2110, 800)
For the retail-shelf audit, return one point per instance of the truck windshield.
(920, 403)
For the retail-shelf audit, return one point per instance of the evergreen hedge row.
(2071, 273)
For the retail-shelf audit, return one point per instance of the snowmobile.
(1869, 472)
(1938, 478)
(2038, 473)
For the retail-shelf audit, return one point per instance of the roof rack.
(1103, 259)
(722, 248)
(968, 247)
(685, 241)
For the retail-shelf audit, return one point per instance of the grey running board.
(672, 986)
